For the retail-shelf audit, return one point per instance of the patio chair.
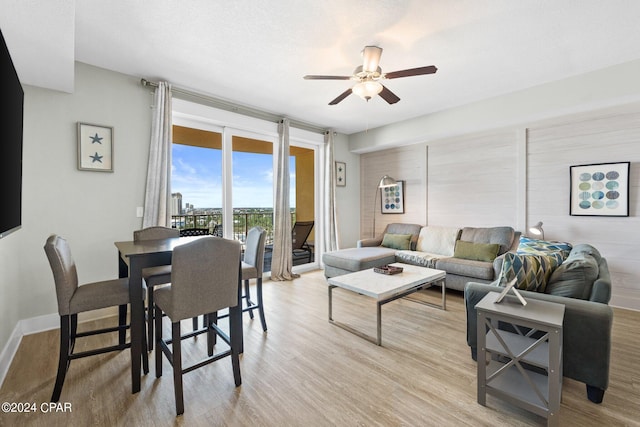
(299, 234)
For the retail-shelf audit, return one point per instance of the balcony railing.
(243, 220)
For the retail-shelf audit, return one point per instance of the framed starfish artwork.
(95, 148)
(341, 174)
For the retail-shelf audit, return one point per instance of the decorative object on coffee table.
(388, 269)
(600, 189)
(95, 148)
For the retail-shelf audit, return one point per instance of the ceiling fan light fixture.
(367, 89)
(371, 58)
(368, 75)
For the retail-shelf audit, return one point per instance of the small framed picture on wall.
(95, 148)
(392, 199)
(341, 174)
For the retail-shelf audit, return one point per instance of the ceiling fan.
(369, 75)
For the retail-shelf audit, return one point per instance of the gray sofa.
(429, 246)
(586, 327)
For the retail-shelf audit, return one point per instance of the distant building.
(176, 204)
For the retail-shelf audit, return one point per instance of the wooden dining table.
(133, 256)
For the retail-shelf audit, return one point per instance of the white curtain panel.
(157, 198)
(282, 259)
(330, 234)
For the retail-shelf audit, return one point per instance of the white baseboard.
(37, 324)
(24, 327)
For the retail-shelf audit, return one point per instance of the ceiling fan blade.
(340, 97)
(312, 77)
(411, 72)
(388, 96)
(371, 58)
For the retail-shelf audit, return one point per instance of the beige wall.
(348, 197)
(90, 209)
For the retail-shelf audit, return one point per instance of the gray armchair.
(586, 330)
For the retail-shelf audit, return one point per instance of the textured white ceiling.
(256, 52)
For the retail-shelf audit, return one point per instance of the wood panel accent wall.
(606, 136)
(408, 164)
(471, 180)
(519, 176)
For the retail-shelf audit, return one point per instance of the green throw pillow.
(476, 251)
(532, 271)
(397, 241)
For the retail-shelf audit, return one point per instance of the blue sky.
(196, 172)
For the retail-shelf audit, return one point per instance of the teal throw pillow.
(587, 249)
(397, 241)
(476, 251)
(574, 277)
(531, 271)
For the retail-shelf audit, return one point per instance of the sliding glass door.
(223, 183)
(196, 180)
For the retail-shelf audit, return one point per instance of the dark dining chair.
(205, 278)
(74, 298)
(252, 268)
(154, 276)
(194, 232)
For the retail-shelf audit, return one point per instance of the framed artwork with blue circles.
(392, 198)
(599, 189)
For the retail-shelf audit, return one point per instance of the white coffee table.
(386, 288)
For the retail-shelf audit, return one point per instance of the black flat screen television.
(11, 112)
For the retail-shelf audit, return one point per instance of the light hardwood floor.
(307, 372)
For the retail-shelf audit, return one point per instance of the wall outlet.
(139, 212)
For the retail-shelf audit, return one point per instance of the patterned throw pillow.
(529, 246)
(532, 271)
